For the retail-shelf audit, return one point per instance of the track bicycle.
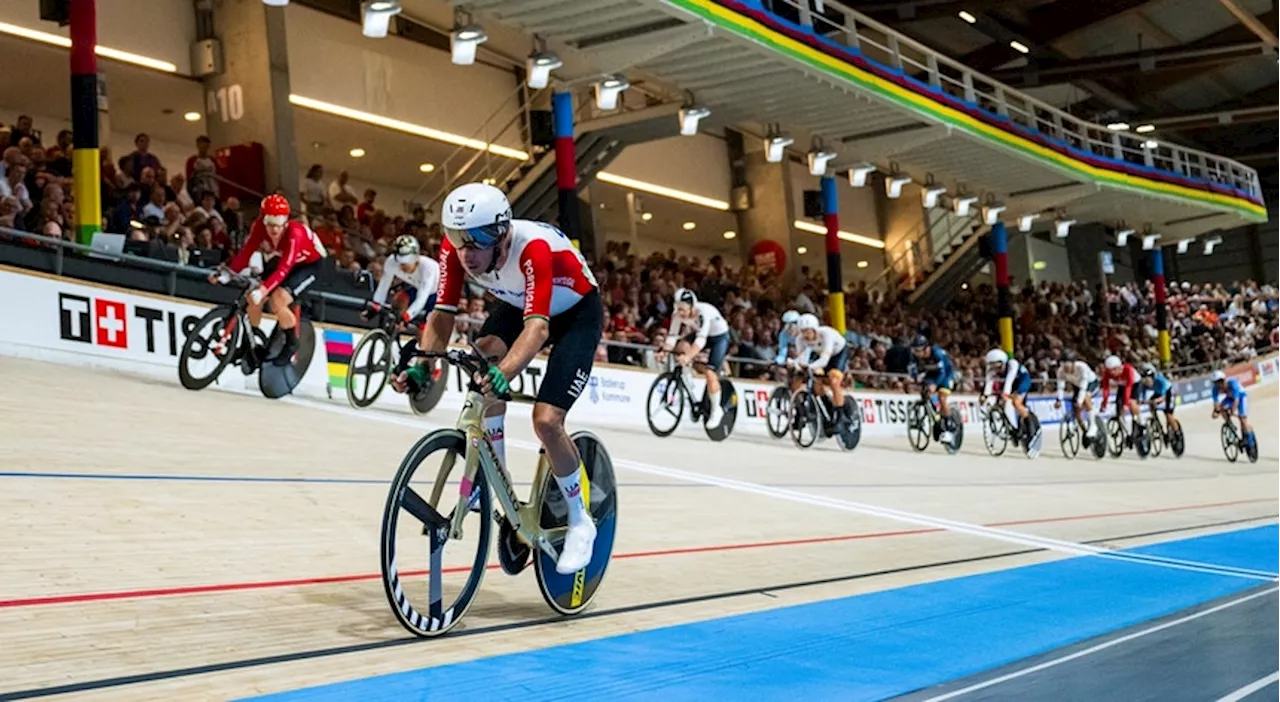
(224, 336)
(924, 423)
(1162, 435)
(374, 358)
(777, 413)
(433, 601)
(669, 394)
(998, 430)
(814, 411)
(1121, 437)
(1072, 435)
(1233, 442)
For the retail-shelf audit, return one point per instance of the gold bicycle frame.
(524, 519)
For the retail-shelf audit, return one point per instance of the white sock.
(494, 427)
(714, 398)
(571, 488)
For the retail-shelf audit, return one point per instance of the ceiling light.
(463, 42)
(539, 66)
(1019, 47)
(376, 18)
(967, 17)
(357, 152)
(802, 250)
(858, 174)
(1024, 222)
(1039, 265)
(1118, 126)
(893, 185)
(1122, 236)
(1209, 245)
(491, 181)
(689, 226)
(1145, 128)
(963, 203)
(407, 127)
(1062, 227)
(647, 216)
(689, 118)
(850, 237)
(991, 213)
(1150, 144)
(1184, 245)
(730, 234)
(192, 116)
(642, 186)
(863, 264)
(426, 167)
(929, 196)
(608, 90)
(1149, 241)
(775, 147)
(103, 51)
(275, 3)
(818, 161)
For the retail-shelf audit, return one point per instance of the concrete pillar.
(902, 224)
(248, 101)
(764, 228)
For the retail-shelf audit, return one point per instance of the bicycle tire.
(224, 313)
(369, 341)
(1251, 449)
(993, 432)
(1177, 442)
(662, 384)
(1115, 437)
(1230, 441)
(919, 427)
(729, 406)
(571, 594)
(804, 413)
(778, 411)
(1069, 436)
(852, 436)
(426, 399)
(1156, 434)
(438, 620)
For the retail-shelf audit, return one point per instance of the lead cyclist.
(547, 295)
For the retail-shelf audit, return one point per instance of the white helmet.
(1219, 376)
(997, 356)
(1113, 362)
(406, 249)
(476, 216)
(685, 296)
(790, 317)
(807, 321)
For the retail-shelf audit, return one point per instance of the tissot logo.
(107, 322)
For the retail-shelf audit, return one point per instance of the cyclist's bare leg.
(255, 313)
(548, 424)
(280, 302)
(495, 410)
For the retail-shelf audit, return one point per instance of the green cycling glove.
(498, 381)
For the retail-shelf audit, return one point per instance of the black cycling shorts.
(300, 278)
(575, 334)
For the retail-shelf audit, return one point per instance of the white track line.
(1251, 688)
(1102, 647)
(1066, 547)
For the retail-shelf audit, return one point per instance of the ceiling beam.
(1053, 71)
(1261, 29)
(1217, 118)
(1047, 24)
(918, 10)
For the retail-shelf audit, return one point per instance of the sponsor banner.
(1267, 369)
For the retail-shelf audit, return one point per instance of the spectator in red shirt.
(364, 212)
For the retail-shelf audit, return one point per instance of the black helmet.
(1068, 355)
(920, 342)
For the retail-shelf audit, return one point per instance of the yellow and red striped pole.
(85, 158)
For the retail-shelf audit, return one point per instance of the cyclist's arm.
(428, 277)
(1106, 390)
(1010, 374)
(240, 261)
(439, 327)
(535, 261)
(673, 332)
(704, 331)
(1127, 389)
(784, 345)
(384, 283)
(827, 349)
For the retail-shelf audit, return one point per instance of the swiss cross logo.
(109, 321)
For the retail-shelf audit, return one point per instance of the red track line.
(326, 580)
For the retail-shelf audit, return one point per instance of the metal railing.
(879, 43)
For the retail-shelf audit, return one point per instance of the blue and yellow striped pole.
(85, 158)
(835, 287)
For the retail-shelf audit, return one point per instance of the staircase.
(932, 261)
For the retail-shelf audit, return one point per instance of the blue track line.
(865, 647)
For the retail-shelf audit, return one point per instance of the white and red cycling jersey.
(297, 245)
(544, 273)
(1127, 379)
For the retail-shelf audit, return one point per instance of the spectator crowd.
(189, 217)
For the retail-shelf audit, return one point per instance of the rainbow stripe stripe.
(750, 21)
(338, 347)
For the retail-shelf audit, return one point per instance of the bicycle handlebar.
(474, 363)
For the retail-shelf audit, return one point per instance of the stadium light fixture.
(375, 17)
(1024, 222)
(775, 146)
(1062, 227)
(967, 17)
(538, 68)
(689, 118)
(991, 213)
(1122, 237)
(858, 174)
(963, 203)
(1145, 128)
(463, 43)
(1150, 144)
(275, 3)
(818, 160)
(1149, 241)
(609, 90)
(930, 194)
(1020, 47)
(1185, 245)
(1209, 245)
(1118, 126)
(893, 185)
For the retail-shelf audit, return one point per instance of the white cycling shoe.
(578, 546)
(716, 416)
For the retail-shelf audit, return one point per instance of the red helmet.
(275, 209)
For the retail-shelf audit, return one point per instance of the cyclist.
(287, 275)
(787, 336)
(1016, 385)
(546, 295)
(1076, 376)
(1157, 389)
(1127, 378)
(825, 350)
(709, 331)
(936, 374)
(421, 277)
(1234, 397)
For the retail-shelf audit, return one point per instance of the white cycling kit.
(424, 279)
(707, 322)
(1079, 376)
(827, 345)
